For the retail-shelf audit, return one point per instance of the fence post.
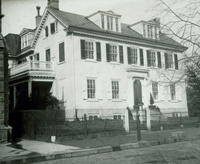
(85, 122)
(126, 121)
(148, 118)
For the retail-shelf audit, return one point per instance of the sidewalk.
(27, 151)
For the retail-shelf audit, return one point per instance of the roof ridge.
(66, 12)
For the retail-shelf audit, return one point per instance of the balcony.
(33, 69)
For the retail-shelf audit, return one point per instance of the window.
(155, 90)
(95, 117)
(115, 89)
(168, 60)
(144, 30)
(117, 117)
(172, 91)
(61, 52)
(117, 24)
(46, 31)
(132, 55)
(91, 88)
(111, 53)
(151, 58)
(102, 21)
(48, 55)
(36, 57)
(141, 57)
(150, 31)
(109, 23)
(53, 29)
(87, 49)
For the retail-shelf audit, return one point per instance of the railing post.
(148, 118)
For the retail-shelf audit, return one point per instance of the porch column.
(14, 96)
(29, 88)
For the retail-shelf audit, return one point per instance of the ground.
(187, 152)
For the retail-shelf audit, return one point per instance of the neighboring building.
(98, 65)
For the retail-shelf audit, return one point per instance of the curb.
(86, 152)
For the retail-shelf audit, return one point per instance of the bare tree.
(182, 23)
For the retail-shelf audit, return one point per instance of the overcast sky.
(21, 13)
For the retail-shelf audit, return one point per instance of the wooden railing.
(31, 66)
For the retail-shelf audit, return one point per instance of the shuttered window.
(98, 51)
(48, 55)
(53, 28)
(61, 52)
(168, 60)
(87, 49)
(121, 55)
(132, 55)
(111, 53)
(176, 61)
(141, 57)
(151, 58)
(159, 60)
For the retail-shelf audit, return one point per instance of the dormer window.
(107, 20)
(26, 40)
(150, 31)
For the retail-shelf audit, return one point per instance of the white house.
(98, 65)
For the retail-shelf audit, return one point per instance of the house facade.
(97, 65)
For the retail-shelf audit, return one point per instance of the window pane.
(91, 88)
(155, 90)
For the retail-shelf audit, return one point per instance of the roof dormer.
(149, 29)
(26, 37)
(106, 20)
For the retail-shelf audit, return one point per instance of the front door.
(137, 92)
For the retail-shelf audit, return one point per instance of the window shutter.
(108, 52)
(166, 61)
(121, 55)
(141, 57)
(46, 31)
(83, 56)
(159, 60)
(129, 55)
(48, 55)
(176, 61)
(61, 52)
(148, 58)
(98, 51)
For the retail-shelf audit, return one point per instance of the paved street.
(176, 153)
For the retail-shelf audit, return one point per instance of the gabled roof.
(26, 30)
(75, 20)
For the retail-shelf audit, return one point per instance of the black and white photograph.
(100, 82)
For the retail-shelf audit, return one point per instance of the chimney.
(38, 17)
(53, 4)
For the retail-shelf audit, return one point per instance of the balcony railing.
(31, 66)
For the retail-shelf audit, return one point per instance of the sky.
(21, 13)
